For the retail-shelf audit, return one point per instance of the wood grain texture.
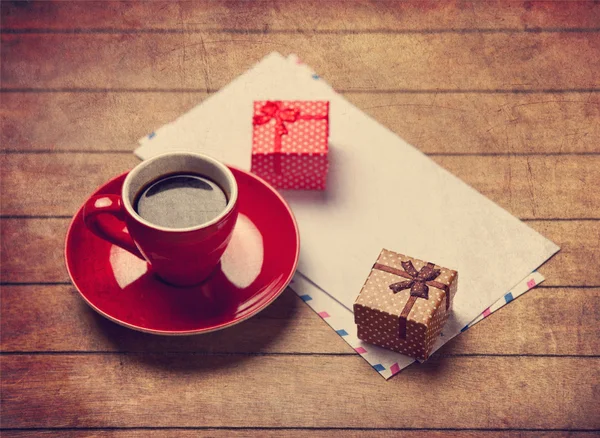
(489, 124)
(43, 184)
(308, 16)
(457, 123)
(530, 187)
(66, 323)
(542, 322)
(349, 62)
(299, 433)
(186, 390)
(23, 240)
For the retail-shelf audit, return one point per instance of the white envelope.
(382, 193)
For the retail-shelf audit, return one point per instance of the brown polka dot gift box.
(404, 304)
(290, 143)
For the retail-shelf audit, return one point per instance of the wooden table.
(504, 95)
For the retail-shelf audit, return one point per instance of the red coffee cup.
(180, 256)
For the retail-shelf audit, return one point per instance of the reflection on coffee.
(180, 201)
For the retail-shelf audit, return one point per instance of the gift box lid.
(378, 292)
(290, 127)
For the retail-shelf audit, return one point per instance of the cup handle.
(116, 234)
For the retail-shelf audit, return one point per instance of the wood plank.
(530, 187)
(350, 62)
(55, 184)
(282, 391)
(579, 243)
(63, 322)
(23, 240)
(537, 323)
(493, 123)
(313, 15)
(459, 123)
(299, 433)
(55, 318)
(88, 121)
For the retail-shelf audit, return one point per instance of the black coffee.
(180, 201)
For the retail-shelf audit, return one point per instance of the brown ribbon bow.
(418, 282)
(274, 110)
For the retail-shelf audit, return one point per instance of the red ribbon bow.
(274, 110)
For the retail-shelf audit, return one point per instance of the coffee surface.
(180, 201)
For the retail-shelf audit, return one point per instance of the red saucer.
(255, 269)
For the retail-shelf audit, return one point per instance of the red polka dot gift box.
(404, 304)
(290, 143)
